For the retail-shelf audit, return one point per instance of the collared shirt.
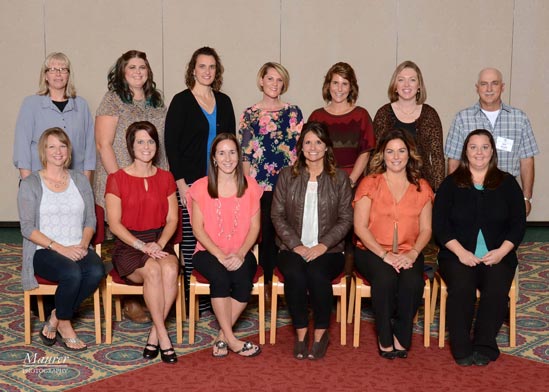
(512, 124)
(39, 113)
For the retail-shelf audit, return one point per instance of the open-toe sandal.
(220, 349)
(248, 350)
(168, 357)
(319, 348)
(301, 346)
(49, 329)
(66, 341)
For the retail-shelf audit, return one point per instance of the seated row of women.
(479, 221)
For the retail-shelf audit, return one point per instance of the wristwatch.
(529, 200)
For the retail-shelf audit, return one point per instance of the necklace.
(404, 112)
(220, 219)
(57, 184)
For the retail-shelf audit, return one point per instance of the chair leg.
(261, 310)
(434, 296)
(343, 315)
(352, 293)
(358, 304)
(192, 311)
(97, 316)
(178, 316)
(513, 313)
(274, 300)
(427, 312)
(118, 308)
(27, 311)
(41, 313)
(107, 303)
(442, 317)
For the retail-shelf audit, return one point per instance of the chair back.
(99, 235)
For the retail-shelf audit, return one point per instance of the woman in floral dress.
(268, 133)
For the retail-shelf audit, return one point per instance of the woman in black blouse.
(195, 116)
(479, 221)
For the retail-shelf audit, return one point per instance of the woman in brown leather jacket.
(311, 213)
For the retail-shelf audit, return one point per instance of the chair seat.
(281, 277)
(42, 280)
(201, 279)
(116, 278)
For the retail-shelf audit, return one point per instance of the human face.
(136, 73)
(57, 80)
(272, 83)
(479, 152)
(144, 147)
(226, 156)
(56, 152)
(396, 156)
(407, 84)
(489, 89)
(313, 148)
(339, 89)
(204, 70)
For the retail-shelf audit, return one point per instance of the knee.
(152, 271)
(170, 269)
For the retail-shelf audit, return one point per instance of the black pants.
(396, 296)
(314, 278)
(268, 250)
(462, 281)
(223, 283)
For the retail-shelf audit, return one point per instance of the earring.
(215, 163)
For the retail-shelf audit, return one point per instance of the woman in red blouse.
(142, 214)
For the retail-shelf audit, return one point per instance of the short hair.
(421, 95)
(218, 78)
(278, 68)
(346, 72)
(62, 137)
(462, 175)
(213, 172)
(43, 86)
(321, 131)
(142, 126)
(118, 84)
(413, 167)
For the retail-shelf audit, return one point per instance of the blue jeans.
(76, 280)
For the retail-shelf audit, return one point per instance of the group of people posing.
(309, 194)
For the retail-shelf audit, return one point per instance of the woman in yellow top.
(392, 219)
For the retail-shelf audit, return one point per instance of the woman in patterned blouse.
(268, 133)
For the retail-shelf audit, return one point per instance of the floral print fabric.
(268, 140)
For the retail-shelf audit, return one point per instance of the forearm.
(208, 244)
(87, 235)
(455, 247)
(167, 233)
(527, 174)
(422, 240)
(88, 173)
(359, 168)
(368, 240)
(24, 173)
(251, 237)
(452, 165)
(108, 158)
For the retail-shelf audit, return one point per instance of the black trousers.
(268, 250)
(396, 296)
(315, 278)
(462, 281)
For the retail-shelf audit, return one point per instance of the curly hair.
(421, 95)
(320, 130)
(462, 175)
(413, 167)
(346, 72)
(189, 73)
(117, 80)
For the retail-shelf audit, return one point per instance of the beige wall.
(450, 40)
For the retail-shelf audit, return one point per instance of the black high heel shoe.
(300, 347)
(319, 348)
(168, 358)
(387, 354)
(150, 354)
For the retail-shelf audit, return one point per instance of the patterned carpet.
(22, 367)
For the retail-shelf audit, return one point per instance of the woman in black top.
(479, 220)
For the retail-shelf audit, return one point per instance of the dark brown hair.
(218, 78)
(346, 72)
(413, 167)
(141, 126)
(213, 172)
(320, 130)
(117, 80)
(494, 176)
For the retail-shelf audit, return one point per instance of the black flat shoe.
(151, 354)
(401, 353)
(467, 361)
(319, 348)
(300, 347)
(480, 359)
(387, 354)
(168, 358)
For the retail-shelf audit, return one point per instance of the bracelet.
(50, 244)
(384, 255)
(138, 244)
(529, 200)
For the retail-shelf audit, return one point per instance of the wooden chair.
(114, 285)
(364, 290)
(199, 285)
(339, 287)
(46, 287)
(438, 281)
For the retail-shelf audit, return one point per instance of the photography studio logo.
(45, 364)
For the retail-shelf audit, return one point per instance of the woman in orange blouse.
(393, 224)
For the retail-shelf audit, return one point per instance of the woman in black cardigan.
(195, 116)
(479, 220)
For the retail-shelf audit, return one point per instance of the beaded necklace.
(220, 219)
